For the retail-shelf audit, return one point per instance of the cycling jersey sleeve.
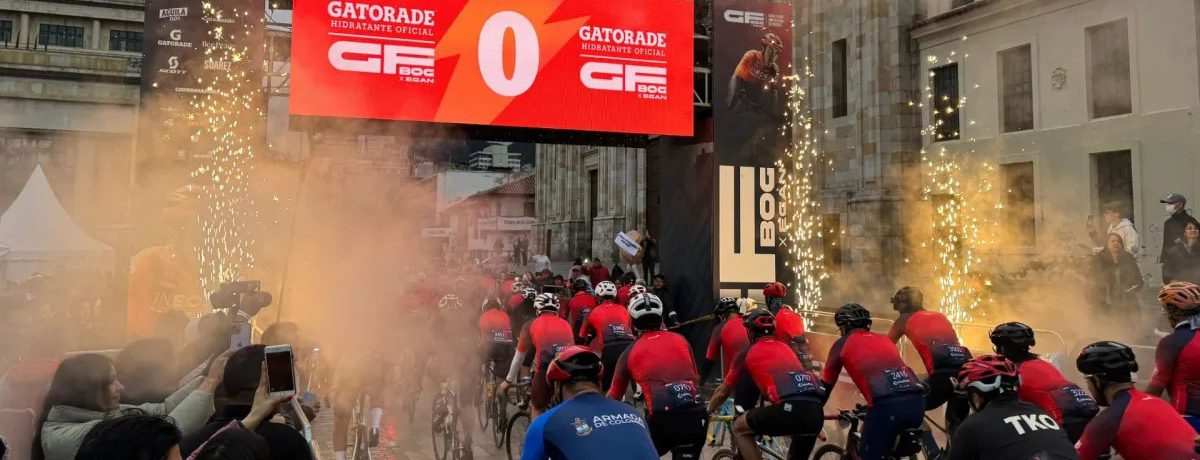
(714, 343)
(525, 342)
(535, 440)
(586, 327)
(620, 380)
(736, 367)
(1165, 357)
(1100, 433)
(897, 330)
(833, 364)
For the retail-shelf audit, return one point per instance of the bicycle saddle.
(908, 443)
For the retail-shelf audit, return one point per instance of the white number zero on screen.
(491, 53)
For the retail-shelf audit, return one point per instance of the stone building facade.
(863, 76)
(585, 196)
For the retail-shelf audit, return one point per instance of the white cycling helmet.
(516, 287)
(637, 289)
(529, 293)
(606, 289)
(645, 304)
(546, 302)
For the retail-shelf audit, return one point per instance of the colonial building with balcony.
(487, 224)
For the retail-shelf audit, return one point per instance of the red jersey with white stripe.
(727, 341)
(661, 363)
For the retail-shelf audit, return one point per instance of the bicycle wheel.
(499, 420)
(441, 438)
(724, 454)
(830, 452)
(514, 437)
(483, 405)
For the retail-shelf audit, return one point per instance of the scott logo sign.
(745, 17)
(647, 81)
(753, 222)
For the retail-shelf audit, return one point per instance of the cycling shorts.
(500, 354)
(609, 357)
(680, 432)
(886, 419)
(788, 418)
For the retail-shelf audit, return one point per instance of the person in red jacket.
(608, 332)
(661, 363)
(1137, 425)
(543, 337)
(495, 337)
(789, 325)
(597, 272)
(728, 339)
(624, 284)
(580, 306)
(934, 337)
(1041, 383)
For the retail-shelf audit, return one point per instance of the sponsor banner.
(627, 244)
(507, 224)
(556, 64)
(752, 54)
(437, 232)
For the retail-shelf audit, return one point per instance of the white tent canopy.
(41, 236)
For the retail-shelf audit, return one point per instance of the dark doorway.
(1112, 180)
(593, 208)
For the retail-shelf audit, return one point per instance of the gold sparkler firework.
(963, 220)
(228, 109)
(800, 224)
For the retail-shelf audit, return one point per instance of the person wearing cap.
(586, 425)
(1114, 216)
(1176, 207)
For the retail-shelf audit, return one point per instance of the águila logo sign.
(559, 64)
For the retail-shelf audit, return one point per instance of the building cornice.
(981, 16)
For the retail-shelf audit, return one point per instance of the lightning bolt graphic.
(467, 97)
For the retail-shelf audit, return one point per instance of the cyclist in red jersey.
(495, 337)
(1177, 358)
(608, 332)
(796, 394)
(453, 361)
(1041, 383)
(789, 325)
(662, 364)
(728, 339)
(521, 307)
(625, 283)
(890, 387)
(541, 338)
(580, 306)
(1137, 425)
(937, 343)
(509, 284)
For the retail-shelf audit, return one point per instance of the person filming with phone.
(244, 374)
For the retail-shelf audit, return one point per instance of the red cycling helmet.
(988, 373)
(575, 363)
(1181, 294)
(775, 290)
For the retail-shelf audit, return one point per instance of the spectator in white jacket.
(1115, 217)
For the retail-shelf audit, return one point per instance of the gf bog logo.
(748, 204)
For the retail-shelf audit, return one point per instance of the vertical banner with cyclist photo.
(751, 58)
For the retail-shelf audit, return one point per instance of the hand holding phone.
(281, 371)
(239, 336)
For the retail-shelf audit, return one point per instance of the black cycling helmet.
(1012, 335)
(725, 306)
(1111, 360)
(852, 316)
(910, 296)
(579, 285)
(759, 323)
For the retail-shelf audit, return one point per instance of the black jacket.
(1182, 263)
(285, 442)
(1116, 283)
(1173, 231)
(1008, 429)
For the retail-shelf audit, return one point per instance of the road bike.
(518, 424)
(908, 445)
(447, 436)
(720, 432)
(360, 431)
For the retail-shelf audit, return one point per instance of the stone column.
(95, 34)
(24, 34)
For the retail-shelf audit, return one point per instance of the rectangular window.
(6, 31)
(1112, 180)
(1016, 88)
(831, 247)
(125, 40)
(945, 103)
(1019, 203)
(530, 210)
(594, 193)
(59, 35)
(1109, 90)
(838, 67)
(281, 48)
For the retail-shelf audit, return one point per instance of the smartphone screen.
(280, 377)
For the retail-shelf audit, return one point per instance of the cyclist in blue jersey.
(586, 425)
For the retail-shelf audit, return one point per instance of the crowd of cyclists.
(584, 354)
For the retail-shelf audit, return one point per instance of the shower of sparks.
(799, 205)
(228, 109)
(964, 208)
